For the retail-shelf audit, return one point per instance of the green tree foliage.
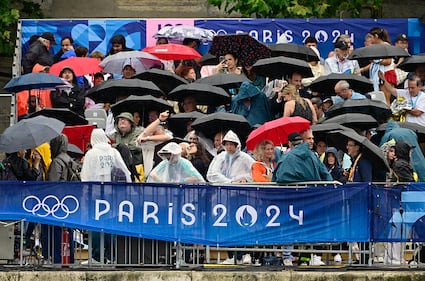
(300, 8)
(9, 16)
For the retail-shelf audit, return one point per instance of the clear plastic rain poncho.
(173, 168)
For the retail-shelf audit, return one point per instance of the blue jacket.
(300, 164)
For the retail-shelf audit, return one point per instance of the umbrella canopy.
(177, 123)
(140, 104)
(110, 90)
(247, 49)
(30, 133)
(203, 94)
(173, 52)
(410, 63)
(326, 84)
(378, 51)
(377, 109)
(278, 67)
(415, 127)
(277, 130)
(216, 122)
(209, 59)
(180, 32)
(65, 115)
(35, 80)
(295, 51)
(353, 120)
(165, 80)
(370, 150)
(74, 151)
(223, 80)
(142, 61)
(321, 131)
(80, 65)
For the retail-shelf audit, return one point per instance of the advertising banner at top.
(96, 33)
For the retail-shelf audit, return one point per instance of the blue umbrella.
(31, 81)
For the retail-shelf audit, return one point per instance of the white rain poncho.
(227, 168)
(101, 159)
(174, 168)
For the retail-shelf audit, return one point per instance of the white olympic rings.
(59, 205)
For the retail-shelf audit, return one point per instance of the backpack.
(73, 170)
(6, 172)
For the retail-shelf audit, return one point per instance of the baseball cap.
(294, 137)
(49, 36)
(401, 37)
(341, 45)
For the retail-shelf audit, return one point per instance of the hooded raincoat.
(174, 168)
(301, 164)
(228, 168)
(101, 159)
(58, 170)
(336, 171)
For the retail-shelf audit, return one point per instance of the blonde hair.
(291, 89)
(260, 148)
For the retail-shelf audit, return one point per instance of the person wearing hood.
(41, 154)
(118, 45)
(174, 168)
(251, 103)
(71, 98)
(126, 133)
(300, 164)
(232, 165)
(402, 168)
(101, 159)
(39, 52)
(332, 164)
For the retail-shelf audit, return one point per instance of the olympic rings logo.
(51, 205)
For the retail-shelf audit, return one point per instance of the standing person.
(67, 44)
(71, 98)
(339, 62)
(58, 171)
(39, 52)
(232, 165)
(298, 106)
(361, 168)
(174, 168)
(101, 159)
(264, 165)
(300, 164)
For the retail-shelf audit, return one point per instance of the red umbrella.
(80, 66)
(173, 52)
(277, 130)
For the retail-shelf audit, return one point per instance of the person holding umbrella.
(361, 167)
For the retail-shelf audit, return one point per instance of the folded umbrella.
(80, 65)
(293, 51)
(203, 94)
(278, 67)
(377, 109)
(172, 52)
(277, 131)
(165, 80)
(378, 51)
(326, 84)
(30, 133)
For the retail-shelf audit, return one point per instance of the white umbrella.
(180, 32)
(141, 61)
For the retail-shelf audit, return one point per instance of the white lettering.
(269, 212)
(98, 212)
(151, 215)
(216, 209)
(170, 213)
(122, 213)
(267, 36)
(298, 218)
(186, 212)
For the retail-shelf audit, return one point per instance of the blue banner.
(199, 214)
(96, 33)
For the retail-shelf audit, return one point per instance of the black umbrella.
(165, 80)
(33, 80)
(70, 118)
(377, 109)
(246, 48)
(30, 133)
(278, 67)
(110, 90)
(223, 80)
(353, 120)
(410, 63)
(415, 127)
(177, 123)
(74, 151)
(203, 94)
(378, 51)
(295, 51)
(216, 122)
(326, 84)
(140, 104)
(321, 131)
(370, 150)
(209, 59)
